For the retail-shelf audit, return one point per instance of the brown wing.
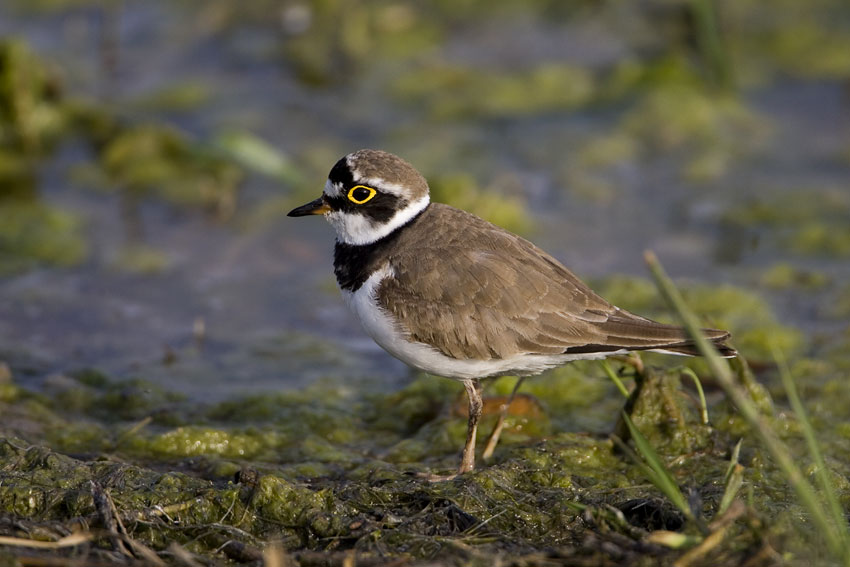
(481, 292)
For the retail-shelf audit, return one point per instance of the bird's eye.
(360, 194)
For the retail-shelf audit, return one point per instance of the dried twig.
(108, 516)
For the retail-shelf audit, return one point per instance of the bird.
(453, 295)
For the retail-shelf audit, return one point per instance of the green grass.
(653, 468)
(829, 518)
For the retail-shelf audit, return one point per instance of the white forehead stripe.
(378, 183)
(356, 229)
(333, 189)
(375, 182)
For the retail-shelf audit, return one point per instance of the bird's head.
(368, 195)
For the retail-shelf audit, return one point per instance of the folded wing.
(499, 296)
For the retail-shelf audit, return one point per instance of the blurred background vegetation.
(178, 102)
(168, 139)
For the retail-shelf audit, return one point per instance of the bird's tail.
(632, 332)
(688, 348)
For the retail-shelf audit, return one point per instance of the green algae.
(748, 316)
(320, 471)
(142, 160)
(818, 238)
(666, 108)
(791, 207)
(8, 392)
(329, 36)
(455, 92)
(91, 393)
(32, 120)
(157, 159)
(804, 222)
(708, 130)
(784, 275)
(461, 191)
(668, 418)
(33, 233)
(191, 441)
(140, 258)
(175, 97)
(31, 117)
(804, 43)
(840, 308)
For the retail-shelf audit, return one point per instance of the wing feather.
(480, 292)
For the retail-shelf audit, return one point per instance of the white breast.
(379, 325)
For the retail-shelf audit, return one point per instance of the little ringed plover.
(453, 295)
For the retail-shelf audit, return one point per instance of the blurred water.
(264, 291)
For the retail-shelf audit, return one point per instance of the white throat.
(357, 230)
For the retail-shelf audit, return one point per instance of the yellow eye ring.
(362, 199)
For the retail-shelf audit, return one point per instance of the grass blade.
(822, 473)
(654, 469)
(835, 537)
(732, 481)
(703, 407)
(614, 378)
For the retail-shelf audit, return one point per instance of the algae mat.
(101, 472)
